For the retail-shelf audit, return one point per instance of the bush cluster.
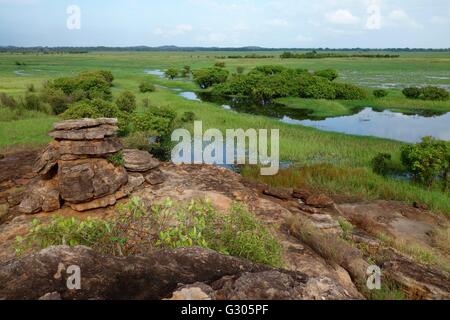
(428, 161)
(146, 86)
(380, 93)
(426, 93)
(208, 77)
(266, 83)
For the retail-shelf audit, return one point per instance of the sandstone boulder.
(41, 196)
(84, 123)
(89, 179)
(90, 147)
(280, 193)
(155, 177)
(319, 201)
(94, 133)
(139, 161)
(47, 160)
(156, 276)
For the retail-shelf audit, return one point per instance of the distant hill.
(193, 49)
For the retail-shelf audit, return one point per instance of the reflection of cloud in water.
(385, 124)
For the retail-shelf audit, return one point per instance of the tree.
(126, 102)
(171, 73)
(240, 70)
(186, 71)
(428, 160)
(206, 78)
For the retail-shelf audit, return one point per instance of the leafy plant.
(137, 228)
(380, 93)
(117, 159)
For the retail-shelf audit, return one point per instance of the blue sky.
(268, 23)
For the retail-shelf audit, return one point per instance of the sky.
(227, 23)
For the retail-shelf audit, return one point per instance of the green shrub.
(434, 93)
(99, 108)
(7, 100)
(206, 78)
(316, 88)
(412, 92)
(105, 75)
(146, 86)
(240, 70)
(241, 234)
(137, 229)
(381, 163)
(80, 110)
(346, 91)
(31, 88)
(92, 84)
(32, 102)
(220, 64)
(188, 116)
(94, 233)
(161, 122)
(126, 102)
(186, 71)
(428, 161)
(329, 74)
(380, 93)
(171, 73)
(56, 98)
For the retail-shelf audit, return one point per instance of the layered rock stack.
(75, 168)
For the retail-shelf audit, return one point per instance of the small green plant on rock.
(117, 159)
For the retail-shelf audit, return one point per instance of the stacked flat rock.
(74, 168)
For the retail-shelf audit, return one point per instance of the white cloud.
(302, 38)
(439, 20)
(400, 18)
(175, 31)
(342, 16)
(278, 23)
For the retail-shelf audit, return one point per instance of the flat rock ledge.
(160, 275)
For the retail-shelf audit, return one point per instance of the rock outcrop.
(156, 276)
(75, 170)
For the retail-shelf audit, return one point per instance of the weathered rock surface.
(84, 123)
(155, 177)
(95, 133)
(155, 276)
(86, 180)
(41, 196)
(280, 193)
(319, 201)
(47, 160)
(139, 161)
(90, 147)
